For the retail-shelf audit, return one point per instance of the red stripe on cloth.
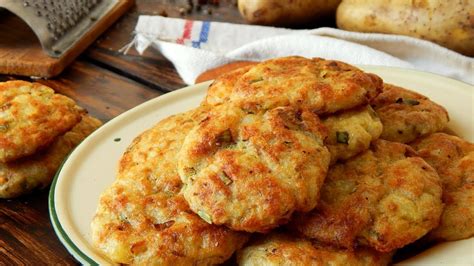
(188, 26)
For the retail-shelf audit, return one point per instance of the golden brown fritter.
(322, 86)
(31, 117)
(143, 218)
(251, 171)
(384, 198)
(283, 249)
(220, 90)
(351, 132)
(453, 158)
(407, 115)
(36, 171)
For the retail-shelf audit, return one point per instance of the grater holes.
(61, 15)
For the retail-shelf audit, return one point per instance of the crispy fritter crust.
(282, 249)
(251, 171)
(220, 90)
(453, 158)
(31, 117)
(143, 218)
(384, 198)
(351, 132)
(36, 171)
(407, 115)
(322, 86)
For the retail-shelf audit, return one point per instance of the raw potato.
(448, 23)
(285, 12)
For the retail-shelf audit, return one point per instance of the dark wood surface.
(107, 83)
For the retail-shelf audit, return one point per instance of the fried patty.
(143, 218)
(283, 249)
(384, 198)
(453, 158)
(322, 86)
(220, 90)
(36, 171)
(351, 132)
(251, 171)
(31, 117)
(407, 115)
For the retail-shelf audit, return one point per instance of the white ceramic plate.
(92, 166)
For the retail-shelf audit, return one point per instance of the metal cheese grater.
(60, 24)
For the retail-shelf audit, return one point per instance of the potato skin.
(447, 23)
(286, 12)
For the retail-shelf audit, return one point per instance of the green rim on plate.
(62, 235)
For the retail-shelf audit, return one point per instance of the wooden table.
(107, 83)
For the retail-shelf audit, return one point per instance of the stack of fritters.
(38, 128)
(314, 147)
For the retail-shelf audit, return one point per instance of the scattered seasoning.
(323, 73)
(205, 217)
(225, 178)
(117, 139)
(342, 137)
(407, 101)
(4, 127)
(256, 80)
(189, 171)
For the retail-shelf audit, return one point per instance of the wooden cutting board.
(21, 52)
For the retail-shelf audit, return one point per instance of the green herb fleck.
(256, 80)
(117, 139)
(4, 127)
(205, 217)
(189, 171)
(411, 102)
(342, 137)
(225, 178)
(323, 73)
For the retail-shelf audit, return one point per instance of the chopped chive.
(323, 73)
(4, 127)
(225, 178)
(205, 217)
(189, 171)
(117, 139)
(411, 102)
(342, 137)
(256, 80)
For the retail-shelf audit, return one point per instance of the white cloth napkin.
(196, 46)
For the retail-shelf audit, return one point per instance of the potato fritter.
(322, 86)
(143, 218)
(282, 249)
(251, 171)
(453, 158)
(36, 171)
(351, 132)
(220, 90)
(31, 117)
(384, 198)
(407, 115)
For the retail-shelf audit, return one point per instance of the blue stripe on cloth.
(206, 25)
